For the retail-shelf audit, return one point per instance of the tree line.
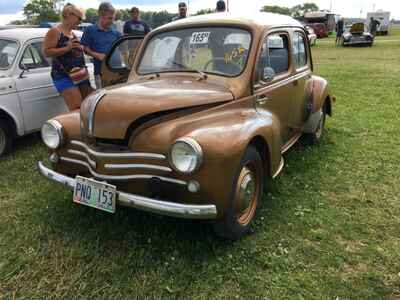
(37, 11)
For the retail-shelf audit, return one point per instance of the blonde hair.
(69, 9)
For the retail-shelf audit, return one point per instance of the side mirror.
(24, 69)
(268, 74)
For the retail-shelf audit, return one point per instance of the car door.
(39, 99)
(302, 65)
(118, 63)
(274, 84)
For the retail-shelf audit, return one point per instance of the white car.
(28, 97)
(312, 37)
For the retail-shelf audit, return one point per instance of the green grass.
(330, 228)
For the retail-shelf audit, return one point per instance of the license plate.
(95, 194)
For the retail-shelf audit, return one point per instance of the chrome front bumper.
(143, 203)
(360, 42)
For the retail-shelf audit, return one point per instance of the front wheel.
(6, 138)
(245, 197)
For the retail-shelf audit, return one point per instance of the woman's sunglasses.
(79, 17)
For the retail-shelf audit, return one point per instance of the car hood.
(134, 104)
(357, 28)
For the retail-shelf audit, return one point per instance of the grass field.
(330, 228)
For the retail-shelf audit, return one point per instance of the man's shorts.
(65, 83)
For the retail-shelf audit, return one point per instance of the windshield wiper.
(204, 75)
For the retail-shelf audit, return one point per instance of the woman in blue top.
(66, 52)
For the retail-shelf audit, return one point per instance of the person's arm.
(87, 42)
(126, 27)
(50, 42)
(146, 28)
(94, 54)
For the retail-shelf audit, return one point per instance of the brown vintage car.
(196, 121)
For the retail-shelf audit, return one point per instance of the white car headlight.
(52, 134)
(186, 155)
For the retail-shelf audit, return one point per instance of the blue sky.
(15, 6)
(11, 9)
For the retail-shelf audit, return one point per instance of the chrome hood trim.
(87, 111)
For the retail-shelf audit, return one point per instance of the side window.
(33, 57)
(274, 59)
(299, 50)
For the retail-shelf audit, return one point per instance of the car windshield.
(8, 51)
(218, 50)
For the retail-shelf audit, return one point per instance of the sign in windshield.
(217, 50)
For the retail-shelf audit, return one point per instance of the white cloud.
(6, 19)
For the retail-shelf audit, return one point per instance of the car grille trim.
(118, 154)
(137, 166)
(84, 155)
(120, 177)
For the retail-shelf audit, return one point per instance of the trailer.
(324, 17)
(384, 19)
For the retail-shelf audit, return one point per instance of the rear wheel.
(245, 197)
(6, 138)
(315, 137)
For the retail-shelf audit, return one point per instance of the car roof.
(260, 19)
(24, 34)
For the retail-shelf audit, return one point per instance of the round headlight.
(52, 134)
(186, 155)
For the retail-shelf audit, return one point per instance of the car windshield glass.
(218, 50)
(8, 51)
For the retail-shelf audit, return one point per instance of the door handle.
(296, 83)
(262, 99)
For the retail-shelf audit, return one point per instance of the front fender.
(223, 132)
(71, 124)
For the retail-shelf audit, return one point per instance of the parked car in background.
(197, 128)
(319, 30)
(312, 37)
(355, 35)
(27, 95)
(83, 26)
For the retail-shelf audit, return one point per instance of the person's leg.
(72, 97)
(85, 89)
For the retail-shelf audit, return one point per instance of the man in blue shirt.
(98, 38)
(135, 26)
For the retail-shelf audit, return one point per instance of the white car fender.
(10, 104)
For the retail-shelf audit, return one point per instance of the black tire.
(6, 138)
(314, 138)
(238, 219)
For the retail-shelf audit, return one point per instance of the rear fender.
(318, 92)
(317, 95)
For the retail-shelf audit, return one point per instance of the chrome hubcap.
(247, 190)
(2, 140)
